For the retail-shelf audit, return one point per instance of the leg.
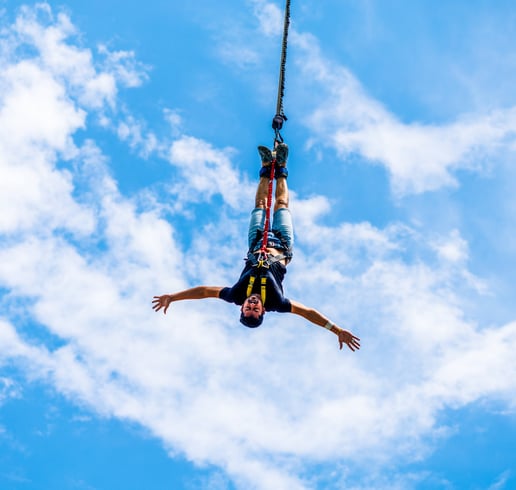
(281, 194)
(257, 221)
(282, 226)
(255, 227)
(282, 221)
(262, 192)
(283, 229)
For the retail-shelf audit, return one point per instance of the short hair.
(250, 321)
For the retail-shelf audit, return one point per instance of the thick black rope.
(277, 124)
(279, 118)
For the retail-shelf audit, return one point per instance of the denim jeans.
(281, 226)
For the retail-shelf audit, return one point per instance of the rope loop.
(277, 137)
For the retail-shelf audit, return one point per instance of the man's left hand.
(346, 337)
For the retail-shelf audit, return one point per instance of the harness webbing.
(265, 238)
(250, 286)
(263, 287)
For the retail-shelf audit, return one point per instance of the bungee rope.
(277, 124)
(279, 118)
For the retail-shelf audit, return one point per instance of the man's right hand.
(161, 302)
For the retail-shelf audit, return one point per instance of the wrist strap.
(329, 325)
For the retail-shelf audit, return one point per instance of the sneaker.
(265, 155)
(281, 154)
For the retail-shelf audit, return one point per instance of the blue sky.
(128, 163)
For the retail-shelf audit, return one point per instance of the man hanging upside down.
(259, 288)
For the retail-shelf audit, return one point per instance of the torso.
(275, 274)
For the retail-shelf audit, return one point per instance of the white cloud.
(36, 27)
(453, 248)
(134, 133)
(8, 389)
(237, 54)
(73, 65)
(16, 348)
(247, 46)
(269, 16)
(123, 65)
(501, 481)
(36, 123)
(418, 157)
(173, 117)
(207, 171)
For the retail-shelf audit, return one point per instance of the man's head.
(252, 311)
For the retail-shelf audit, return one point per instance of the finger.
(166, 308)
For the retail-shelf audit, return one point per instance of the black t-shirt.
(274, 301)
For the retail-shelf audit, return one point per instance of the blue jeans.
(281, 227)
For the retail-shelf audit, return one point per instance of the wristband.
(329, 325)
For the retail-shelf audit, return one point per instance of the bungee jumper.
(260, 286)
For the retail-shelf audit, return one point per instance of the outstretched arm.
(199, 292)
(312, 315)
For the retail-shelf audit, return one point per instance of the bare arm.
(198, 292)
(313, 316)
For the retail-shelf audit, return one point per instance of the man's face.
(253, 307)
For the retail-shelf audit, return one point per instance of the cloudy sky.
(128, 161)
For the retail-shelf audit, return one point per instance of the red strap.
(265, 238)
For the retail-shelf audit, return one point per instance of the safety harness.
(260, 271)
(261, 264)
